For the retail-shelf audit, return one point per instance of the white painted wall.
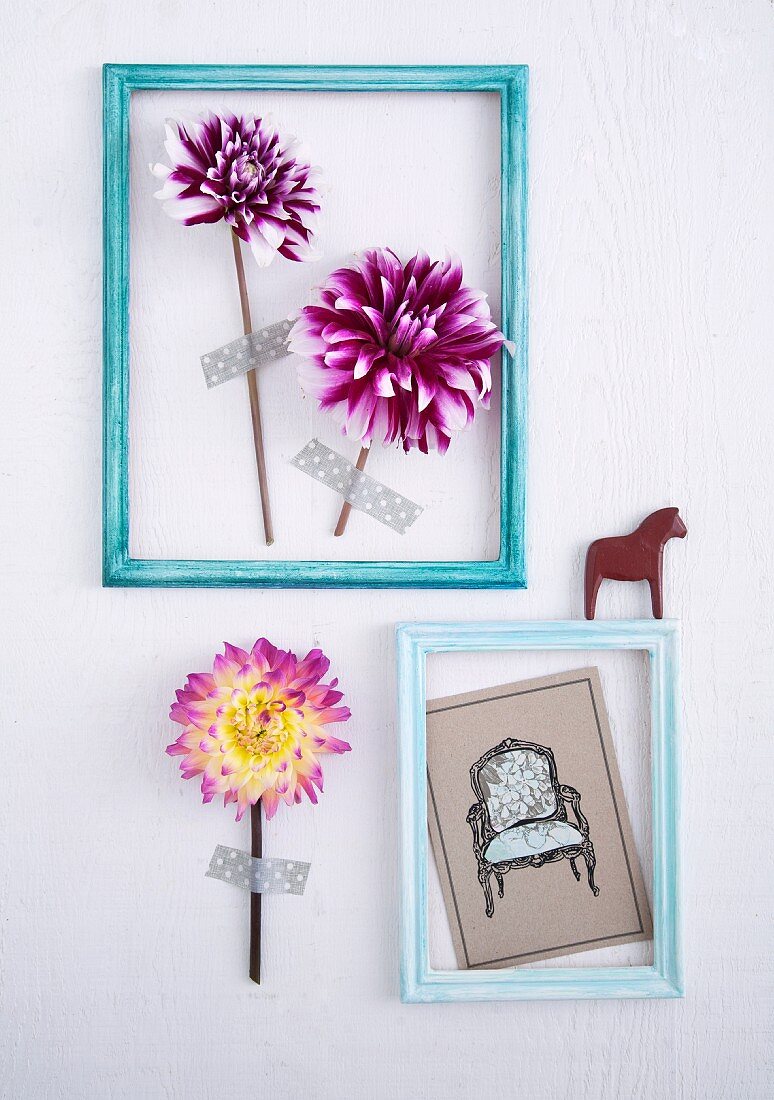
(122, 970)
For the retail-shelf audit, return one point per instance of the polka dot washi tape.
(259, 876)
(246, 353)
(363, 492)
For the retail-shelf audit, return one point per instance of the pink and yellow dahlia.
(238, 168)
(256, 724)
(398, 352)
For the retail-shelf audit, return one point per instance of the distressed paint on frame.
(419, 982)
(119, 569)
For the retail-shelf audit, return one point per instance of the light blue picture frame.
(508, 570)
(420, 983)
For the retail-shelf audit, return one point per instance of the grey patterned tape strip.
(246, 353)
(363, 492)
(260, 876)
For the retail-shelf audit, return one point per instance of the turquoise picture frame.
(508, 570)
(418, 981)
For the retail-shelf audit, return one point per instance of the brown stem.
(252, 387)
(346, 507)
(256, 849)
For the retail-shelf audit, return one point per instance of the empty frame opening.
(405, 170)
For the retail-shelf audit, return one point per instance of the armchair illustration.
(520, 816)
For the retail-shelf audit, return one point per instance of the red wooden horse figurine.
(635, 557)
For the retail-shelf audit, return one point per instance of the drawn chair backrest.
(516, 783)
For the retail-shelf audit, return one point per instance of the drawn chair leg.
(575, 870)
(483, 877)
(591, 862)
(499, 878)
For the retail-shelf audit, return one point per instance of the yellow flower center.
(259, 728)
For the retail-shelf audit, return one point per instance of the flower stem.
(256, 849)
(252, 386)
(346, 507)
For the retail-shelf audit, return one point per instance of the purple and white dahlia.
(398, 351)
(238, 168)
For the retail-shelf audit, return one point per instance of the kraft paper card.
(529, 825)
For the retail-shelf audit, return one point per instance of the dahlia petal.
(459, 378)
(234, 653)
(323, 384)
(199, 714)
(482, 375)
(306, 213)
(298, 244)
(333, 714)
(263, 650)
(349, 283)
(378, 323)
(402, 333)
(235, 762)
(302, 341)
(177, 713)
(388, 297)
(345, 303)
(451, 411)
(428, 287)
(286, 664)
(455, 322)
(270, 803)
(424, 339)
(271, 232)
(366, 358)
(294, 698)
(195, 210)
(442, 441)
(314, 666)
(334, 334)
(224, 670)
(341, 356)
(402, 372)
(426, 391)
(200, 683)
(262, 251)
(360, 405)
(382, 383)
(246, 677)
(417, 268)
(467, 300)
(452, 277)
(308, 787)
(181, 150)
(171, 189)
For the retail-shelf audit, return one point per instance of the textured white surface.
(122, 968)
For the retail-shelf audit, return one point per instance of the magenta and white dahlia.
(398, 351)
(238, 168)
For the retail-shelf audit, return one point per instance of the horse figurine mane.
(638, 556)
